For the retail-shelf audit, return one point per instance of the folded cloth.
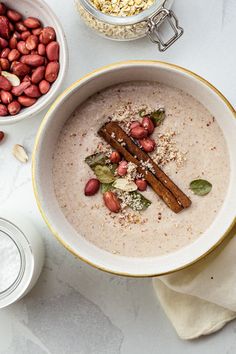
(201, 299)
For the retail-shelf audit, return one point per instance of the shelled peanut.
(29, 60)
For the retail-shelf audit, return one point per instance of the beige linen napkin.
(202, 298)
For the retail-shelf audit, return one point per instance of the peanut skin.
(44, 87)
(3, 42)
(13, 108)
(52, 51)
(5, 84)
(5, 53)
(5, 65)
(31, 42)
(3, 9)
(4, 27)
(38, 75)
(32, 22)
(13, 42)
(41, 49)
(20, 69)
(52, 70)
(25, 35)
(32, 59)
(26, 101)
(21, 46)
(18, 90)
(32, 91)
(47, 35)
(13, 55)
(20, 26)
(6, 97)
(37, 31)
(14, 15)
(3, 110)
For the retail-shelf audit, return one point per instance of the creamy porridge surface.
(197, 137)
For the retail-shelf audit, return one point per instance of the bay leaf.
(104, 174)
(200, 187)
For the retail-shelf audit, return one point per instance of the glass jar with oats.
(132, 19)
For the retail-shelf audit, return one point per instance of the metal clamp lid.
(154, 23)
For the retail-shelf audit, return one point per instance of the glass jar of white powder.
(21, 256)
(109, 19)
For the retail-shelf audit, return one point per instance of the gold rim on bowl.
(46, 117)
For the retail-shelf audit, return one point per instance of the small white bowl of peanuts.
(33, 58)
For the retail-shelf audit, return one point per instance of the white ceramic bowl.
(39, 9)
(165, 73)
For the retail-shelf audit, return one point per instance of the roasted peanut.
(38, 75)
(52, 70)
(147, 144)
(3, 9)
(5, 52)
(6, 97)
(5, 65)
(4, 27)
(14, 108)
(17, 35)
(32, 91)
(25, 35)
(11, 27)
(3, 110)
(92, 187)
(20, 26)
(5, 84)
(47, 35)
(138, 133)
(115, 157)
(31, 42)
(41, 49)
(52, 51)
(32, 22)
(3, 42)
(111, 201)
(26, 101)
(18, 90)
(141, 184)
(122, 168)
(14, 15)
(13, 42)
(37, 31)
(44, 87)
(134, 125)
(32, 59)
(147, 123)
(13, 55)
(21, 46)
(20, 69)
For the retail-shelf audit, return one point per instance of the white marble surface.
(75, 308)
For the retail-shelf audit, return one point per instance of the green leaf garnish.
(96, 159)
(158, 116)
(138, 202)
(200, 187)
(104, 174)
(106, 187)
(142, 112)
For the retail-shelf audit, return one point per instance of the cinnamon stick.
(120, 134)
(156, 185)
